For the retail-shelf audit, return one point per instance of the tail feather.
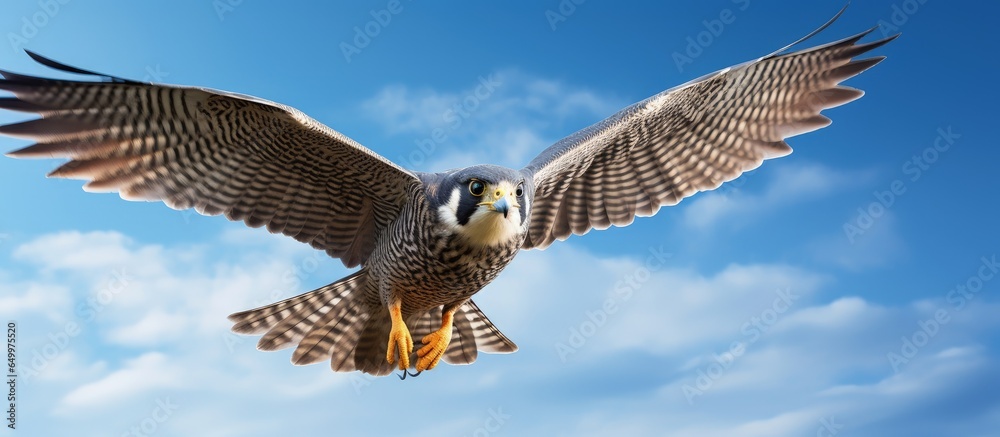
(325, 323)
(369, 355)
(334, 336)
(488, 337)
(335, 322)
(262, 319)
(287, 332)
(369, 352)
(294, 327)
(471, 332)
(462, 349)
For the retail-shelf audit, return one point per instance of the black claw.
(407, 372)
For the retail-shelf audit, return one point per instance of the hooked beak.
(501, 206)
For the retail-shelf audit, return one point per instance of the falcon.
(425, 242)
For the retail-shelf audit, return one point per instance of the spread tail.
(325, 323)
(336, 322)
(471, 332)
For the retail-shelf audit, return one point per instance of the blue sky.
(767, 318)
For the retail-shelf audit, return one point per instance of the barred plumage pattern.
(688, 139)
(270, 165)
(220, 153)
(347, 322)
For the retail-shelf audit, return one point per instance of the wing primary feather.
(15, 104)
(71, 69)
(55, 127)
(220, 152)
(811, 34)
(858, 49)
(705, 132)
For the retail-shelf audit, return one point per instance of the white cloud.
(877, 246)
(101, 257)
(76, 250)
(507, 123)
(167, 337)
(41, 298)
(155, 327)
(676, 302)
(147, 372)
(787, 185)
(404, 110)
(70, 367)
(792, 384)
(839, 313)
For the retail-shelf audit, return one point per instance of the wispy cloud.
(503, 117)
(882, 245)
(149, 371)
(787, 185)
(169, 338)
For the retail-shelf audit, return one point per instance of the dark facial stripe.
(467, 205)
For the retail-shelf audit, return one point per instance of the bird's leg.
(436, 342)
(399, 337)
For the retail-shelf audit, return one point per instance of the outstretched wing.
(221, 153)
(687, 139)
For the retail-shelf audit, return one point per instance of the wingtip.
(7, 74)
(44, 60)
(51, 63)
(892, 37)
(878, 42)
(19, 153)
(813, 33)
(11, 78)
(858, 49)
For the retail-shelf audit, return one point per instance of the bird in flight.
(426, 242)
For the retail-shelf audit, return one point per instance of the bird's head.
(486, 204)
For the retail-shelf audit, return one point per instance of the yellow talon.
(435, 344)
(399, 339)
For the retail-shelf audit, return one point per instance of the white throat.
(484, 228)
(490, 228)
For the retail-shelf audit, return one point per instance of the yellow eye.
(477, 188)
